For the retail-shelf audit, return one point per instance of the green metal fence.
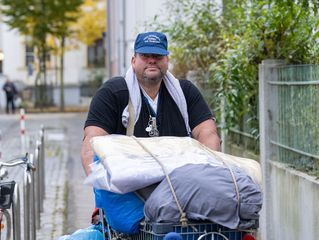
(292, 116)
(295, 95)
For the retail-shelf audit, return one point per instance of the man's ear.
(133, 59)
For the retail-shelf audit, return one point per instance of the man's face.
(149, 68)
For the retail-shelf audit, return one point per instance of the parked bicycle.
(10, 201)
(6, 192)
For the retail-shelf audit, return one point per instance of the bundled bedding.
(128, 164)
(210, 185)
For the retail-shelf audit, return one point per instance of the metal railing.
(288, 113)
(33, 192)
(28, 202)
(39, 192)
(16, 214)
(27, 163)
(295, 91)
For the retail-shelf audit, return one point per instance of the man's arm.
(206, 133)
(86, 151)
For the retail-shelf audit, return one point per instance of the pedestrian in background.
(11, 93)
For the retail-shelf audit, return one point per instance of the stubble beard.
(153, 80)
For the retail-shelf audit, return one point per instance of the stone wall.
(294, 198)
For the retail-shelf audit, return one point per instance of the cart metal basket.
(194, 231)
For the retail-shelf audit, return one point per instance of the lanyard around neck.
(151, 127)
(149, 107)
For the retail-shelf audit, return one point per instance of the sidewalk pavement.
(53, 216)
(68, 203)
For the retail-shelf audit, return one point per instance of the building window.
(1, 61)
(96, 54)
(29, 58)
(29, 55)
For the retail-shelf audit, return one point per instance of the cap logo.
(152, 39)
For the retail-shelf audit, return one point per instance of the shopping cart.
(193, 231)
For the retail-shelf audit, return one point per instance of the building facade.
(125, 19)
(82, 64)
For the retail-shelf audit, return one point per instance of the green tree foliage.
(92, 21)
(194, 35)
(38, 20)
(226, 44)
(64, 14)
(256, 31)
(31, 19)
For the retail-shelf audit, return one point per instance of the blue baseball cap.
(151, 43)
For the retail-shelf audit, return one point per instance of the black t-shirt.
(110, 100)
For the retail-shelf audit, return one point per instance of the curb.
(53, 215)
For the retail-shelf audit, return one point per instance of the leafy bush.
(225, 46)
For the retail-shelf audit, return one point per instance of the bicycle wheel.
(5, 228)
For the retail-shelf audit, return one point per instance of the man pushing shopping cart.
(150, 103)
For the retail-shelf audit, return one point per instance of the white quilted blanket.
(126, 163)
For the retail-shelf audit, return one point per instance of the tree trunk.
(42, 99)
(62, 75)
(43, 70)
(40, 89)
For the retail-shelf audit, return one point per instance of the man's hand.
(206, 133)
(87, 152)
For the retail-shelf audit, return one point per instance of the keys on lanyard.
(152, 127)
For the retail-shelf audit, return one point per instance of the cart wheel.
(212, 234)
(249, 237)
(173, 236)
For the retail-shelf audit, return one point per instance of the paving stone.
(63, 170)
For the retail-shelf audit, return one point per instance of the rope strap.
(230, 170)
(183, 219)
(131, 119)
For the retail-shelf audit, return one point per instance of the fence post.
(22, 131)
(37, 183)
(32, 201)
(16, 214)
(42, 167)
(26, 205)
(223, 124)
(266, 104)
(0, 144)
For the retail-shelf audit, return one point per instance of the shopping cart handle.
(3, 173)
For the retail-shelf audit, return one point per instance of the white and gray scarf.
(173, 86)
